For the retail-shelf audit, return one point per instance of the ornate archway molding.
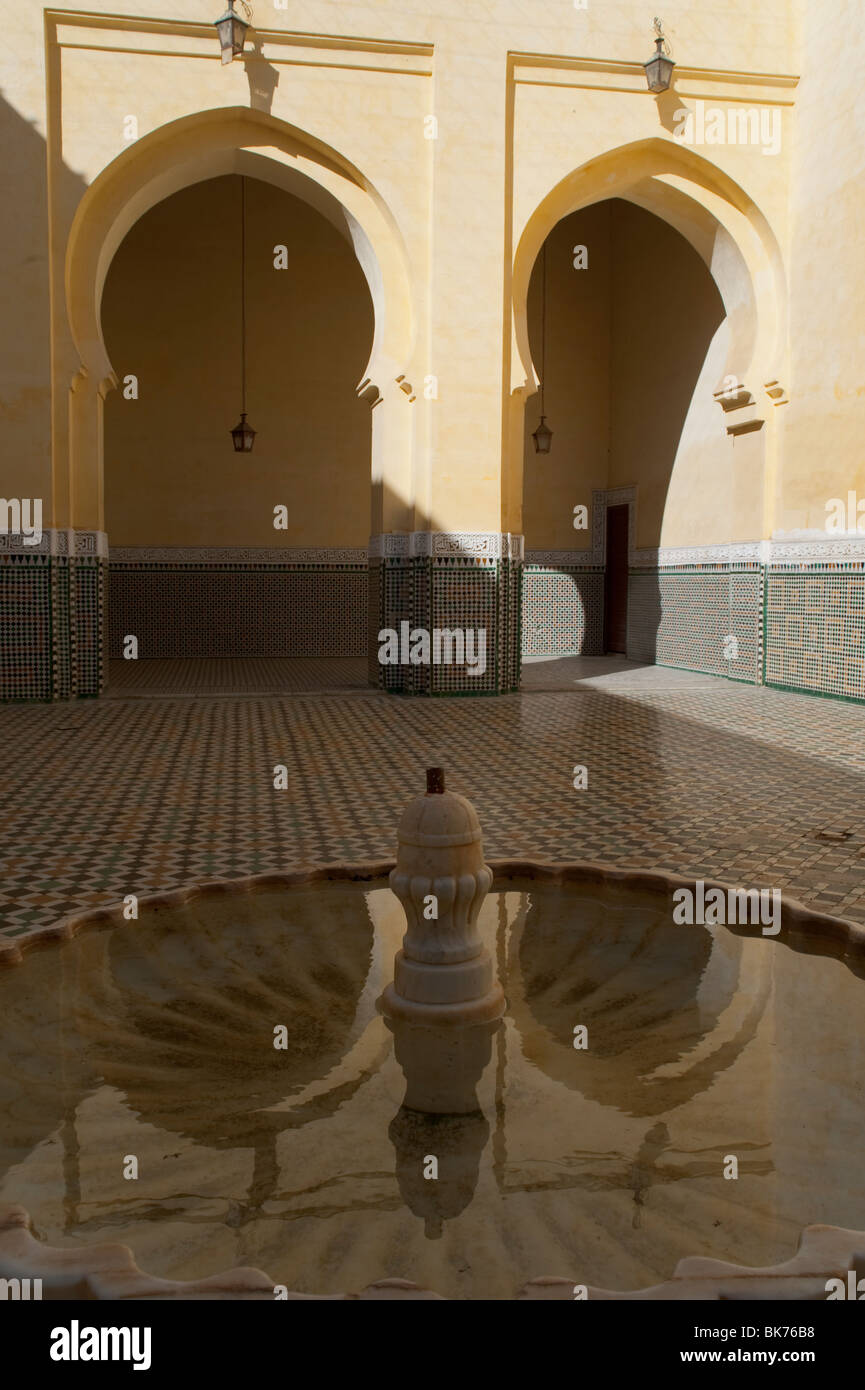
(205, 145)
(727, 230)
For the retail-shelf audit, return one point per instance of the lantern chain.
(243, 292)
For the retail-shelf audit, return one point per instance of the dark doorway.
(616, 582)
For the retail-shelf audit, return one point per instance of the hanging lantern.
(659, 68)
(543, 437)
(243, 436)
(231, 30)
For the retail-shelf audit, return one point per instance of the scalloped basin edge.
(109, 1271)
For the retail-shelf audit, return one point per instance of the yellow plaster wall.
(524, 96)
(171, 313)
(824, 425)
(25, 346)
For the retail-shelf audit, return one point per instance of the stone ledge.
(842, 936)
(109, 1272)
(824, 1252)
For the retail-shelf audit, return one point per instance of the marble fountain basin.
(228, 1041)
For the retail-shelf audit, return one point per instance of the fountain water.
(229, 1040)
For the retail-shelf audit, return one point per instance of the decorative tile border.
(562, 559)
(184, 601)
(494, 545)
(751, 555)
(29, 623)
(389, 546)
(56, 541)
(681, 617)
(53, 599)
(837, 552)
(803, 554)
(173, 556)
(831, 551)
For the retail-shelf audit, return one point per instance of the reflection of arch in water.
(185, 1012)
(180, 1017)
(183, 1028)
(44, 1070)
(667, 1007)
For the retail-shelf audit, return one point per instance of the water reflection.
(666, 1007)
(311, 1160)
(439, 1131)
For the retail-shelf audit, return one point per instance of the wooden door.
(616, 582)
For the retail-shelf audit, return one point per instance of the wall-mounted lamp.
(232, 31)
(659, 68)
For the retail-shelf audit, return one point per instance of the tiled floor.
(606, 673)
(159, 786)
(251, 675)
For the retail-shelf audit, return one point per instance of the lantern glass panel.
(659, 71)
(543, 438)
(243, 437)
(231, 30)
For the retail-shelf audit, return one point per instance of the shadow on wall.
(262, 76)
(36, 598)
(25, 380)
(634, 344)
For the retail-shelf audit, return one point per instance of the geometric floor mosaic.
(154, 788)
(253, 675)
